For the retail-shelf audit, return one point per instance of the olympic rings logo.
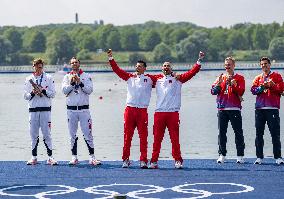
(104, 191)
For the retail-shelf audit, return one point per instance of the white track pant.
(84, 117)
(40, 120)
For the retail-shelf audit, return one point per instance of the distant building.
(98, 22)
(76, 18)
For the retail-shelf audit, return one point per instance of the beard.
(166, 71)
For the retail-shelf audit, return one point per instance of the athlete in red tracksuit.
(139, 87)
(229, 89)
(168, 88)
(267, 87)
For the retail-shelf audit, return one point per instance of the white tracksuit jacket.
(82, 97)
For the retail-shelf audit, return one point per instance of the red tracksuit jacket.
(228, 96)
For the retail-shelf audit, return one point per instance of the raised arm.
(189, 74)
(193, 71)
(120, 72)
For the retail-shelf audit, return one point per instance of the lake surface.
(198, 116)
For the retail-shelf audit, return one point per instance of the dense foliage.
(175, 41)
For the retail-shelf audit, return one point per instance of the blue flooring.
(198, 179)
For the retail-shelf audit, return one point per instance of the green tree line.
(179, 42)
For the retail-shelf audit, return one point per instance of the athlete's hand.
(265, 84)
(37, 91)
(201, 55)
(109, 53)
(77, 79)
(270, 83)
(234, 82)
(220, 79)
(73, 80)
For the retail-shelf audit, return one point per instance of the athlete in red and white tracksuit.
(139, 87)
(168, 88)
(39, 104)
(77, 86)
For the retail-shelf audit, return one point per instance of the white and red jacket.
(77, 95)
(169, 89)
(46, 82)
(139, 87)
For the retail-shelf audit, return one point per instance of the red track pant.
(135, 117)
(161, 121)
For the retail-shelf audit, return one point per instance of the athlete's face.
(75, 64)
(229, 66)
(38, 68)
(166, 68)
(265, 66)
(140, 68)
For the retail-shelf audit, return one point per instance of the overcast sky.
(208, 13)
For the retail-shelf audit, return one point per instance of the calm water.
(198, 130)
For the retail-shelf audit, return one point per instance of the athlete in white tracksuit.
(39, 103)
(77, 86)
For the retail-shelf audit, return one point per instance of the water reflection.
(198, 120)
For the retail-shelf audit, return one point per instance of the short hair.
(142, 62)
(74, 58)
(230, 58)
(167, 62)
(37, 61)
(264, 58)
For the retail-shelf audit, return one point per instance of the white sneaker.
(74, 161)
(125, 164)
(32, 161)
(240, 160)
(153, 165)
(258, 161)
(221, 159)
(178, 165)
(94, 161)
(279, 161)
(143, 165)
(51, 161)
